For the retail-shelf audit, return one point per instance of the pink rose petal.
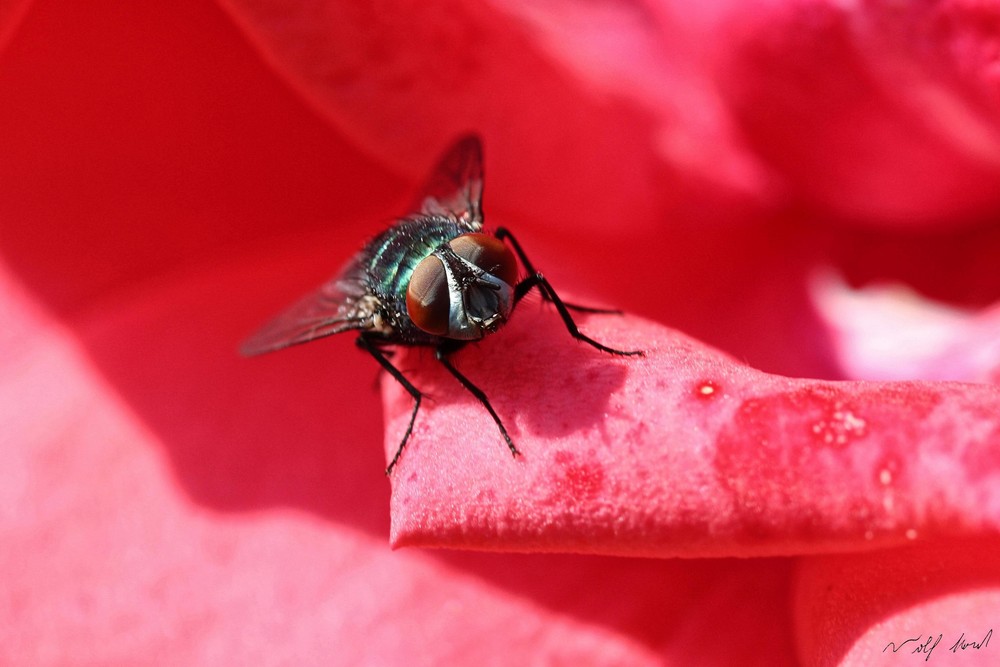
(168, 502)
(682, 452)
(891, 332)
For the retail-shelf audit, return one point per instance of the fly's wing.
(455, 187)
(342, 304)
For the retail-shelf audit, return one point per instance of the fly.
(433, 278)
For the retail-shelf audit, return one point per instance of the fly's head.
(464, 290)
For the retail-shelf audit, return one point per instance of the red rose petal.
(929, 604)
(682, 452)
(11, 12)
(875, 112)
(140, 159)
(579, 149)
(165, 501)
(879, 112)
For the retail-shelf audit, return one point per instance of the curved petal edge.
(682, 452)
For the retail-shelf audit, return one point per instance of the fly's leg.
(442, 353)
(536, 279)
(398, 376)
(539, 281)
(504, 233)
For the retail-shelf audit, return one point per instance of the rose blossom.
(794, 202)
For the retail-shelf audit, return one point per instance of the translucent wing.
(342, 304)
(455, 187)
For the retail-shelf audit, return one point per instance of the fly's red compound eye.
(427, 296)
(488, 253)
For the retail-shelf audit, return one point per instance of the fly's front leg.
(539, 281)
(504, 233)
(442, 353)
(372, 349)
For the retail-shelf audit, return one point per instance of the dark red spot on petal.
(576, 480)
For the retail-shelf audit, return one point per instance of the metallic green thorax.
(392, 256)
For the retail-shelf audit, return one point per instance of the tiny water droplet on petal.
(840, 427)
(707, 389)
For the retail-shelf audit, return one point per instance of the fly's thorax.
(464, 289)
(392, 256)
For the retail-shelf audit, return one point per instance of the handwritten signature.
(926, 645)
